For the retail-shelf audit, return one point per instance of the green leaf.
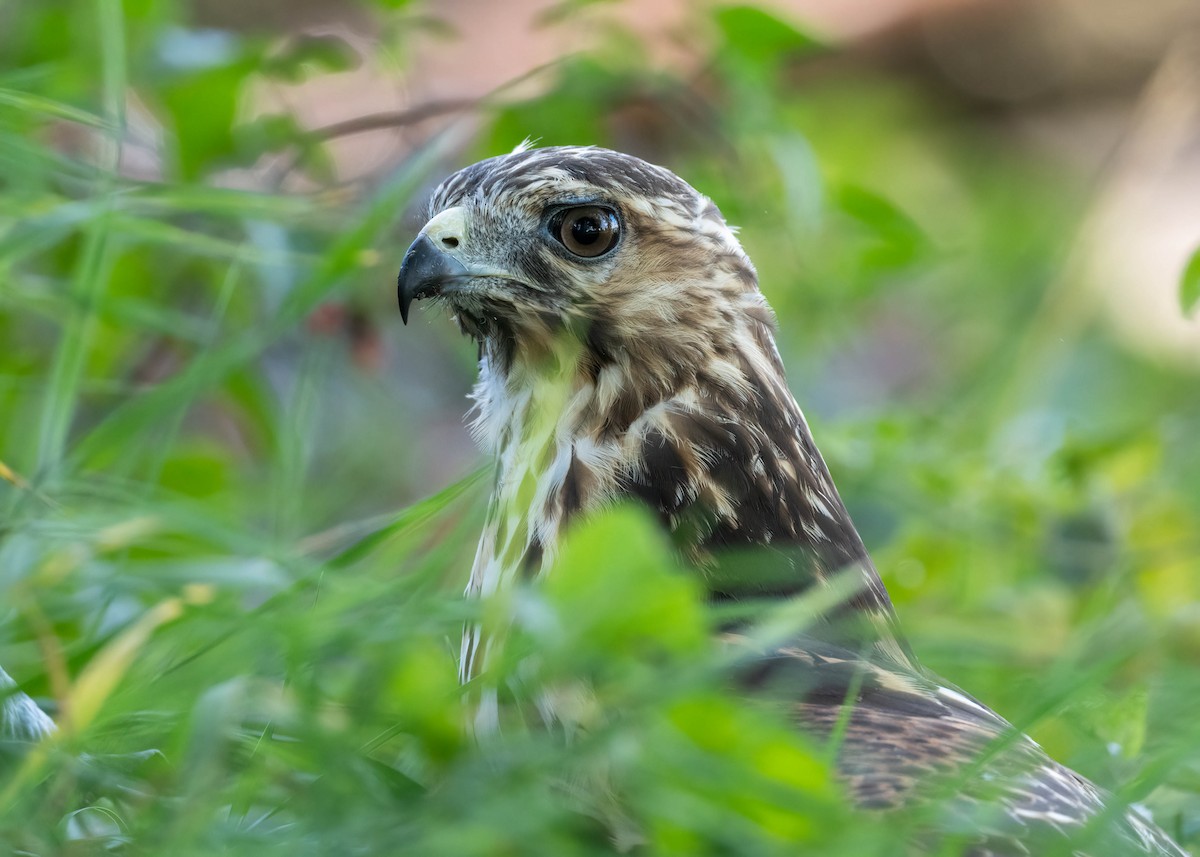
(203, 107)
(616, 580)
(572, 111)
(566, 10)
(269, 133)
(760, 37)
(30, 103)
(897, 239)
(307, 56)
(1189, 286)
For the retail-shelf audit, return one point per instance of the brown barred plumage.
(639, 360)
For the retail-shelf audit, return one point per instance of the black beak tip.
(405, 301)
(423, 272)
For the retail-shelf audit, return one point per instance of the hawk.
(625, 351)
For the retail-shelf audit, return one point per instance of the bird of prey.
(625, 351)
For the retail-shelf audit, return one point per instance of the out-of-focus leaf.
(307, 55)
(899, 238)
(759, 37)
(103, 673)
(615, 591)
(1189, 285)
(268, 134)
(567, 9)
(38, 104)
(355, 539)
(203, 106)
(317, 162)
(573, 113)
(197, 469)
(427, 684)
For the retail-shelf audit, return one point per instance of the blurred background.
(977, 220)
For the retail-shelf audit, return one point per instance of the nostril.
(450, 241)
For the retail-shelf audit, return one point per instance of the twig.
(391, 118)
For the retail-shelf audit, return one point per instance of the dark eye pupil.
(586, 230)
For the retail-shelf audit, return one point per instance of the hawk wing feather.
(902, 739)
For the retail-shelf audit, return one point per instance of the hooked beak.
(424, 271)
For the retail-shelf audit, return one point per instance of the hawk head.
(621, 255)
(610, 296)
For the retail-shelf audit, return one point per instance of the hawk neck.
(726, 461)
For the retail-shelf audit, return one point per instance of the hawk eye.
(588, 231)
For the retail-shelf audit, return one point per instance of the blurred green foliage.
(202, 570)
(1189, 287)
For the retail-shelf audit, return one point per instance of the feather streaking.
(644, 366)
